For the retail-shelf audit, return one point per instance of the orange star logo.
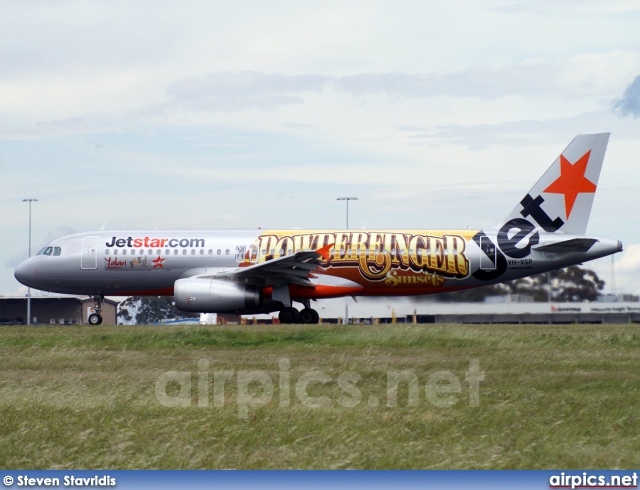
(572, 181)
(157, 263)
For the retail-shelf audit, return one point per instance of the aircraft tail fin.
(561, 200)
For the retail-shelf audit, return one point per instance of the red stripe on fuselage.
(145, 292)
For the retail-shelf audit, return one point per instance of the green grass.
(552, 397)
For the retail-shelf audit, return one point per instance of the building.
(54, 309)
(497, 310)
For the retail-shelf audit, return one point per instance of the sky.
(247, 114)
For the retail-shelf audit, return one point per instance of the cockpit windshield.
(55, 251)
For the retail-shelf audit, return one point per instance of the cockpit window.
(55, 251)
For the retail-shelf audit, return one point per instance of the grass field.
(97, 397)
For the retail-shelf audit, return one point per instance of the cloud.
(629, 103)
(61, 231)
(234, 91)
(578, 76)
(567, 79)
(293, 125)
(508, 133)
(630, 260)
(89, 125)
(462, 84)
(15, 260)
(227, 91)
(569, 8)
(627, 270)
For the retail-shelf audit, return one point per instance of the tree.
(123, 313)
(576, 284)
(127, 309)
(152, 309)
(149, 309)
(473, 295)
(572, 284)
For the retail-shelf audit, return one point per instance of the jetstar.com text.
(148, 242)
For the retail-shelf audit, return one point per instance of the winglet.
(324, 251)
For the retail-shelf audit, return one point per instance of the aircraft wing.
(294, 269)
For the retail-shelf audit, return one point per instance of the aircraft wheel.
(309, 315)
(95, 319)
(316, 317)
(289, 315)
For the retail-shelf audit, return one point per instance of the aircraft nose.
(24, 272)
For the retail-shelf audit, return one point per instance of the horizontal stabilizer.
(574, 245)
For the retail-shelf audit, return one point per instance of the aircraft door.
(89, 257)
(240, 251)
(488, 257)
(253, 254)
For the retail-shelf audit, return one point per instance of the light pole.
(347, 199)
(29, 289)
(346, 307)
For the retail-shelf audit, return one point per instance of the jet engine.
(215, 296)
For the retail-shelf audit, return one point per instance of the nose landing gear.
(96, 317)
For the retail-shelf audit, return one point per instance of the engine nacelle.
(215, 296)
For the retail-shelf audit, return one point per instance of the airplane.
(264, 271)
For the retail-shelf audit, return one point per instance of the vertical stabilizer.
(561, 200)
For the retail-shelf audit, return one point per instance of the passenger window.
(193, 251)
(175, 251)
(106, 251)
(141, 252)
(202, 251)
(149, 252)
(115, 251)
(210, 252)
(219, 252)
(226, 252)
(184, 251)
(124, 252)
(158, 252)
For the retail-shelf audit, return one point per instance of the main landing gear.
(291, 315)
(96, 318)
